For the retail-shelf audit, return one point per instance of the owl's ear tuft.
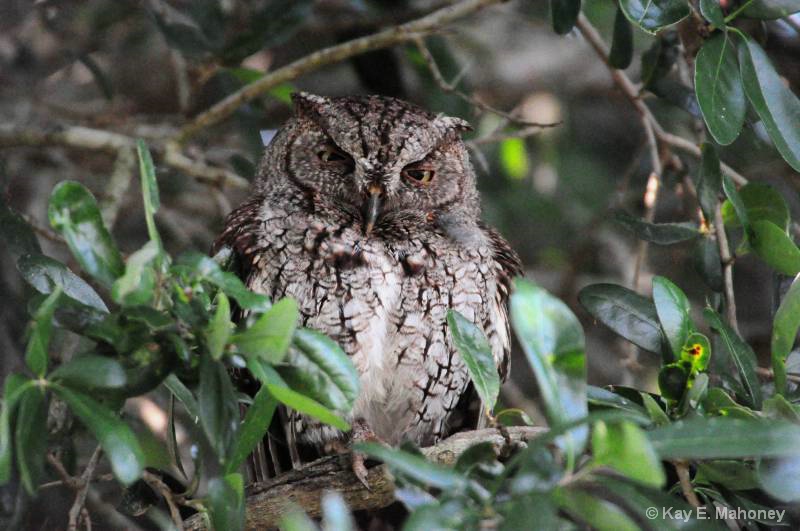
(307, 103)
(451, 123)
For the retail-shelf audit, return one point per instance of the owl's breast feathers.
(385, 301)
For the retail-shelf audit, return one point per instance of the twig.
(727, 268)
(333, 54)
(80, 497)
(450, 88)
(268, 501)
(44, 232)
(166, 493)
(682, 469)
(493, 138)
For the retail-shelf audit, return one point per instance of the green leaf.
(226, 502)
(137, 285)
(219, 411)
(780, 478)
(477, 355)
(735, 475)
(183, 394)
(414, 466)
(718, 84)
(592, 511)
(709, 183)
(46, 274)
(599, 397)
(17, 233)
(673, 379)
(737, 203)
(564, 14)
(725, 438)
(255, 425)
(696, 352)
(657, 415)
(270, 336)
(741, 354)
(775, 247)
(784, 331)
(776, 105)
(673, 311)
(708, 264)
(771, 9)
(552, 339)
(335, 514)
(36, 352)
(514, 158)
(761, 202)
(91, 373)
(116, 438)
(207, 269)
(219, 328)
(30, 437)
(658, 233)
(653, 15)
(300, 403)
(621, 53)
(624, 447)
(150, 197)
(74, 214)
(625, 312)
(712, 12)
(14, 387)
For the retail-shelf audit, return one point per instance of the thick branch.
(268, 501)
(333, 54)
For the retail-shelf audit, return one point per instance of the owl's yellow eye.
(333, 155)
(418, 175)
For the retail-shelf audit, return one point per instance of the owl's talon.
(360, 469)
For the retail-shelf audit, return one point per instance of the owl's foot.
(361, 432)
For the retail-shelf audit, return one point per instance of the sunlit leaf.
(784, 331)
(219, 327)
(775, 247)
(270, 336)
(226, 502)
(149, 191)
(514, 158)
(137, 285)
(696, 352)
(625, 448)
(46, 274)
(477, 355)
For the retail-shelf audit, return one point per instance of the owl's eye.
(332, 155)
(418, 175)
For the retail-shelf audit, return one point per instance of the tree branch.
(727, 267)
(268, 501)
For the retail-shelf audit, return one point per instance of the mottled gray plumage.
(382, 291)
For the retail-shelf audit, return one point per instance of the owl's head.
(380, 160)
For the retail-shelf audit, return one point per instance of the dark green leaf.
(725, 438)
(625, 312)
(741, 354)
(254, 427)
(780, 477)
(658, 60)
(13, 388)
(226, 502)
(335, 514)
(91, 373)
(219, 328)
(775, 247)
(737, 203)
(734, 475)
(784, 332)
(117, 439)
(30, 437)
(625, 448)
(771, 9)
(328, 358)
(709, 184)
(17, 234)
(150, 197)
(137, 285)
(672, 380)
(718, 402)
(599, 397)
(621, 53)
(36, 351)
(776, 105)
(564, 14)
(712, 12)
(45, 274)
(653, 15)
(552, 339)
(183, 394)
(477, 355)
(592, 511)
(414, 466)
(209, 270)
(761, 201)
(303, 404)
(718, 84)
(219, 412)
(708, 264)
(673, 311)
(658, 233)
(657, 415)
(73, 212)
(270, 336)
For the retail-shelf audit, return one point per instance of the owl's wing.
(508, 266)
(240, 235)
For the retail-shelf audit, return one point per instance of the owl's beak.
(372, 208)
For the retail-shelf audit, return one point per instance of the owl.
(366, 212)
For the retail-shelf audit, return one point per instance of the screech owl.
(366, 212)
